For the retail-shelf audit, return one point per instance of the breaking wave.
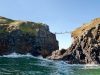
(16, 55)
(83, 66)
(40, 66)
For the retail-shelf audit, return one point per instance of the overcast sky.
(60, 15)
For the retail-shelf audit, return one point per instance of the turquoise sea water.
(28, 65)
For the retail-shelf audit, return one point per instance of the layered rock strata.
(85, 48)
(26, 37)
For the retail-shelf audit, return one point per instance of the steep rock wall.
(26, 37)
(85, 48)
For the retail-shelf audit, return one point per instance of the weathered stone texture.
(85, 48)
(26, 37)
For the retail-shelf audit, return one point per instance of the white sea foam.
(60, 63)
(80, 66)
(91, 66)
(16, 55)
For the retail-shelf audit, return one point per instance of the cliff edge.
(26, 37)
(85, 48)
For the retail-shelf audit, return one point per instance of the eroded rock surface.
(26, 37)
(85, 48)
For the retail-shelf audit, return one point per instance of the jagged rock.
(26, 37)
(85, 48)
(57, 55)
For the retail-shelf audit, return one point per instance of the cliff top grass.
(25, 26)
(4, 20)
(85, 27)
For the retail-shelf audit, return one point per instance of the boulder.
(57, 55)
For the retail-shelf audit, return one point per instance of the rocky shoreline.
(85, 48)
(35, 38)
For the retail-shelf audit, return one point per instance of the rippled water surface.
(28, 65)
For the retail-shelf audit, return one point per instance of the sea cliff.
(26, 37)
(85, 48)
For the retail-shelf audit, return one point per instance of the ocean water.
(16, 64)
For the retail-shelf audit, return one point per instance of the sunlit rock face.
(85, 48)
(26, 37)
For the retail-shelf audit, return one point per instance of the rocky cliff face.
(85, 48)
(26, 37)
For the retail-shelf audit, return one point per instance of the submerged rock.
(26, 37)
(85, 48)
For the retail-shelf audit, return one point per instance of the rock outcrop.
(85, 48)
(57, 54)
(26, 37)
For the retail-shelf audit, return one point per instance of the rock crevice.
(85, 48)
(26, 37)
